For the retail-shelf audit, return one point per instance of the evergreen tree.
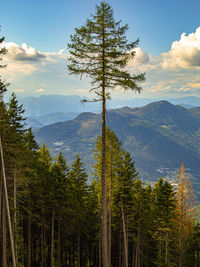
(100, 50)
(78, 186)
(164, 214)
(3, 85)
(114, 154)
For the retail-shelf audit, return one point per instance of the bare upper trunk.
(125, 236)
(52, 239)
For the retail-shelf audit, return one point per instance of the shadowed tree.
(100, 50)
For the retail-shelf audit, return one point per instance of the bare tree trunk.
(29, 241)
(15, 212)
(1, 193)
(110, 221)
(160, 254)
(79, 251)
(52, 239)
(120, 249)
(125, 237)
(42, 242)
(58, 259)
(7, 206)
(104, 234)
(166, 251)
(133, 259)
(137, 252)
(100, 246)
(4, 243)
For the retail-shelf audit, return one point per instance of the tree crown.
(99, 49)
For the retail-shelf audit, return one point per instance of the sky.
(37, 32)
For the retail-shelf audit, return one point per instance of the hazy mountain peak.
(86, 116)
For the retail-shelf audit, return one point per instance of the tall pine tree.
(100, 50)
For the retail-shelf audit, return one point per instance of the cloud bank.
(175, 72)
(184, 53)
(23, 52)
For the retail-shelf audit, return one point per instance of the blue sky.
(37, 33)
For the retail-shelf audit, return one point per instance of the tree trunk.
(1, 193)
(6, 202)
(125, 237)
(52, 239)
(120, 250)
(104, 234)
(110, 221)
(100, 246)
(79, 251)
(15, 212)
(133, 259)
(4, 243)
(42, 242)
(58, 259)
(137, 251)
(166, 251)
(104, 237)
(29, 241)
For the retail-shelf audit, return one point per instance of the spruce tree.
(164, 214)
(3, 85)
(78, 178)
(101, 51)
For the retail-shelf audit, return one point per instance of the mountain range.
(48, 104)
(160, 136)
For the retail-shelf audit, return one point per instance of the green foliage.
(3, 85)
(100, 50)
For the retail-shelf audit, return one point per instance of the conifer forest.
(56, 214)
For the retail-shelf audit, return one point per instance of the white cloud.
(13, 69)
(140, 56)
(81, 90)
(40, 90)
(142, 62)
(29, 69)
(23, 52)
(23, 60)
(194, 85)
(184, 53)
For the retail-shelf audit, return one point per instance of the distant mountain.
(33, 123)
(52, 118)
(188, 100)
(48, 104)
(160, 136)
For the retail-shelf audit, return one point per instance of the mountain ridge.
(158, 144)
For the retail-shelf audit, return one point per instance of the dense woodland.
(55, 211)
(60, 216)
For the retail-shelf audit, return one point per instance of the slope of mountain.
(53, 118)
(160, 136)
(33, 123)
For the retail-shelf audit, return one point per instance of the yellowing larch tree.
(185, 203)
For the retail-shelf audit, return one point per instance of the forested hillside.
(85, 192)
(159, 136)
(55, 210)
